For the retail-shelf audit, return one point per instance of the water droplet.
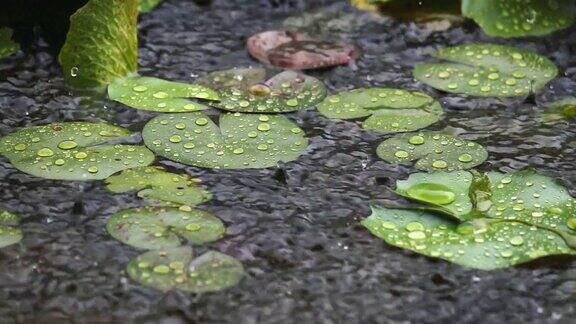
(74, 71)
(45, 152)
(67, 145)
(81, 155)
(465, 158)
(161, 269)
(417, 235)
(440, 164)
(93, 169)
(180, 126)
(193, 227)
(160, 95)
(238, 150)
(401, 154)
(140, 88)
(416, 140)
(175, 139)
(264, 127)
(414, 226)
(20, 147)
(201, 121)
(517, 240)
(433, 193)
(292, 102)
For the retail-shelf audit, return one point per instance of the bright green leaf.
(487, 70)
(560, 111)
(147, 6)
(102, 43)
(241, 141)
(73, 151)
(9, 234)
(7, 45)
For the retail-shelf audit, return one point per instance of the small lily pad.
(73, 151)
(432, 151)
(247, 90)
(390, 110)
(154, 183)
(159, 95)
(7, 45)
(156, 228)
(9, 234)
(242, 140)
(560, 111)
(505, 18)
(487, 70)
(176, 269)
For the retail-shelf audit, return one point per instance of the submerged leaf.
(7, 45)
(432, 151)
(242, 140)
(560, 111)
(247, 90)
(175, 269)
(159, 95)
(487, 70)
(9, 234)
(102, 43)
(73, 151)
(155, 228)
(390, 110)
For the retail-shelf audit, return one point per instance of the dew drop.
(433, 193)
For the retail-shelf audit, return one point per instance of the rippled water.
(295, 228)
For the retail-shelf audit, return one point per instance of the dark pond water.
(296, 228)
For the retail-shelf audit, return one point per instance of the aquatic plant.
(9, 233)
(563, 110)
(147, 6)
(7, 45)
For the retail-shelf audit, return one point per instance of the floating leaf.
(432, 151)
(159, 95)
(242, 141)
(390, 110)
(175, 269)
(515, 18)
(7, 45)
(487, 70)
(156, 228)
(560, 111)
(246, 90)
(102, 43)
(8, 233)
(73, 151)
(156, 184)
(147, 6)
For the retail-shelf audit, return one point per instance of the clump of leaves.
(160, 186)
(177, 269)
(559, 111)
(73, 151)
(432, 151)
(514, 218)
(487, 70)
(389, 110)
(147, 6)
(159, 95)
(9, 234)
(241, 140)
(7, 45)
(298, 51)
(102, 43)
(247, 90)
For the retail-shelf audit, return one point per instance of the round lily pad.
(432, 151)
(9, 234)
(176, 269)
(241, 141)
(159, 95)
(247, 90)
(73, 151)
(390, 110)
(156, 228)
(154, 183)
(487, 70)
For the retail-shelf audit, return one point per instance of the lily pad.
(73, 151)
(102, 43)
(9, 234)
(242, 140)
(176, 269)
(560, 111)
(159, 95)
(487, 70)
(154, 228)
(147, 6)
(247, 90)
(505, 18)
(432, 151)
(390, 110)
(154, 183)
(7, 45)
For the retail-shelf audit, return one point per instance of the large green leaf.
(247, 90)
(156, 228)
(432, 151)
(519, 18)
(390, 110)
(154, 183)
(487, 70)
(9, 234)
(102, 43)
(7, 45)
(73, 151)
(176, 269)
(241, 141)
(159, 95)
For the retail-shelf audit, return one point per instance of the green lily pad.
(390, 110)
(247, 90)
(9, 234)
(147, 6)
(156, 184)
(483, 243)
(102, 43)
(432, 151)
(159, 95)
(505, 18)
(560, 111)
(242, 141)
(73, 151)
(487, 70)
(175, 269)
(154, 228)
(7, 45)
